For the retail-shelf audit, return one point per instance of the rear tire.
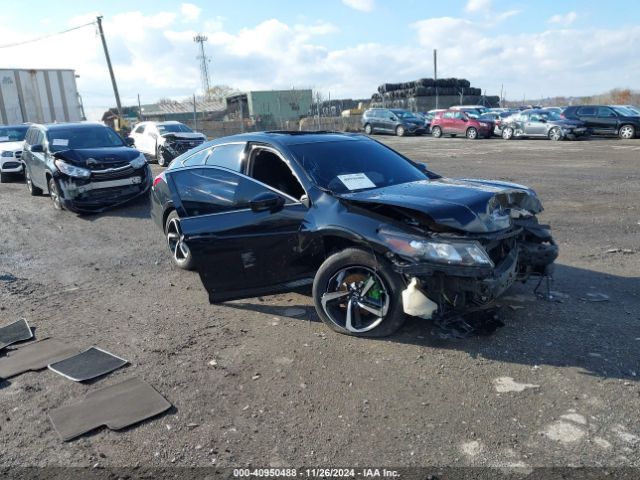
(180, 253)
(368, 130)
(356, 293)
(472, 133)
(436, 132)
(507, 133)
(33, 190)
(627, 132)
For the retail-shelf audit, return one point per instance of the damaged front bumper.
(456, 289)
(95, 196)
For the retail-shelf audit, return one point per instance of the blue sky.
(346, 47)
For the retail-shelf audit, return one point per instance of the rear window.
(13, 134)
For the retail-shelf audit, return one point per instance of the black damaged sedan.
(84, 167)
(379, 235)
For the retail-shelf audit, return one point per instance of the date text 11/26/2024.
(315, 472)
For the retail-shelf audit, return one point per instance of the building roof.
(183, 107)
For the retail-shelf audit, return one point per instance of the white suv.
(164, 141)
(11, 142)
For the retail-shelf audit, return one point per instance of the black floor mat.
(15, 332)
(35, 356)
(91, 363)
(117, 407)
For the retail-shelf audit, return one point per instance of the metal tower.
(204, 70)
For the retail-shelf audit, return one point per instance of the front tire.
(4, 177)
(33, 190)
(160, 157)
(627, 132)
(180, 253)
(436, 132)
(368, 129)
(507, 133)
(400, 131)
(472, 133)
(54, 193)
(356, 293)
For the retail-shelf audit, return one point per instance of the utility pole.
(435, 72)
(204, 70)
(140, 110)
(195, 117)
(113, 78)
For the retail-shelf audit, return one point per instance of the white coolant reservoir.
(415, 303)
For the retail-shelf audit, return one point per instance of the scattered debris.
(596, 297)
(481, 321)
(508, 384)
(35, 356)
(256, 376)
(14, 332)
(92, 363)
(192, 425)
(213, 363)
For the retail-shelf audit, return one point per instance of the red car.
(458, 122)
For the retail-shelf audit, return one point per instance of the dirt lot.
(286, 391)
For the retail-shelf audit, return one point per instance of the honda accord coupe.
(379, 235)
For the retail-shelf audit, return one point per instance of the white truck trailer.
(39, 96)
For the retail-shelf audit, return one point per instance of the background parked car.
(11, 142)
(392, 120)
(164, 141)
(458, 122)
(497, 118)
(85, 167)
(542, 123)
(606, 120)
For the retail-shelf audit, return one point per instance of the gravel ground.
(251, 384)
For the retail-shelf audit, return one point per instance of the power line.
(46, 36)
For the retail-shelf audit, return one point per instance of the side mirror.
(267, 201)
(129, 141)
(38, 148)
(465, 119)
(421, 166)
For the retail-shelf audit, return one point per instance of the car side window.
(228, 156)
(197, 158)
(205, 191)
(605, 112)
(139, 129)
(587, 111)
(458, 115)
(447, 115)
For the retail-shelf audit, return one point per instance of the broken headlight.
(463, 253)
(72, 170)
(139, 162)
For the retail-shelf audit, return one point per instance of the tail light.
(158, 179)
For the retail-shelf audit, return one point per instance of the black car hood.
(475, 206)
(98, 158)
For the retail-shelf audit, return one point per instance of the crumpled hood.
(567, 123)
(476, 206)
(183, 135)
(11, 146)
(98, 158)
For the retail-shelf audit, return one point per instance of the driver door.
(246, 239)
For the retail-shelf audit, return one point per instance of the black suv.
(392, 120)
(605, 120)
(84, 167)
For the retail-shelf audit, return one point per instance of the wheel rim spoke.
(333, 296)
(184, 249)
(173, 236)
(378, 312)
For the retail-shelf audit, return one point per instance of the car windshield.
(349, 165)
(625, 111)
(97, 136)
(174, 128)
(13, 134)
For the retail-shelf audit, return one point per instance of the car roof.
(17, 125)
(75, 125)
(283, 138)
